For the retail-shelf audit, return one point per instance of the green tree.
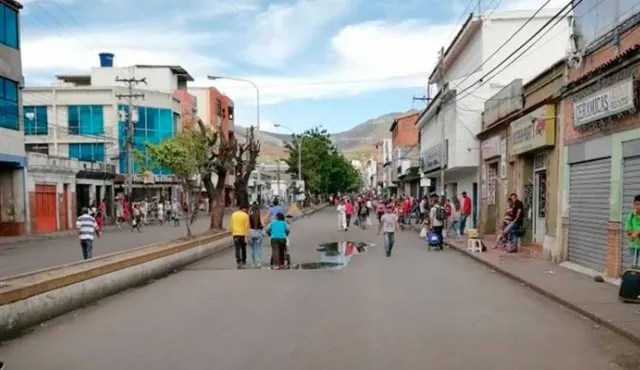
(185, 156)
(324, 169)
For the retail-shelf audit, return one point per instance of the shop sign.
(491, 147)
(155, 179)
(433, 158)
(612, 100)
(533, 131)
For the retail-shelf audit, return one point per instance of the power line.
(522, 26)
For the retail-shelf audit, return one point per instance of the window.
(8, 26)
(154, 125)
(35, 120)
(230, 113)
(91, 152)
(86, 120)
(9, 113)
(219, 108)
(37, 148)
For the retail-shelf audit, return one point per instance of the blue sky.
(330, 62)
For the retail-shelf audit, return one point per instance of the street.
(34, 255)
(415, 310)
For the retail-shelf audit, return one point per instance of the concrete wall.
(159, 79)
(202, 96)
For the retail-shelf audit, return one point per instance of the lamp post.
(299, 144)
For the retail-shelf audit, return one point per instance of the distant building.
(405, 166)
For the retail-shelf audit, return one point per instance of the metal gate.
(589, 185)
(630, 188)
(45, 212)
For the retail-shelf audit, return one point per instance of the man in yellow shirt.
(239, 226)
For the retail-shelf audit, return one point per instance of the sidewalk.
(577, 291)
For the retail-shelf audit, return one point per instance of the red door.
(45, 208)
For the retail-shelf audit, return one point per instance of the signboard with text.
(490, 148)
(434, 158)
(612, 100)
(535, 130)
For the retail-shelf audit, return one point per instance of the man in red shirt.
(465, 211)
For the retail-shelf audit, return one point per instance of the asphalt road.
(39, 254)
(416, 310)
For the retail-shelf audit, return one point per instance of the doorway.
(539, 205)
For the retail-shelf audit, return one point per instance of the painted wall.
(159, 79)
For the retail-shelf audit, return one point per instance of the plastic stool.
(474, 245)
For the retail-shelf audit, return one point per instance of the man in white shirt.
(342, 216)
(436, 218)
(389, 224)
(87, 229)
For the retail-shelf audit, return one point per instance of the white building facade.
(449, 149)
(80, 120)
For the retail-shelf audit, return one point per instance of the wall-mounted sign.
(535, 130)
(155, 179)
(490, 148)
(434, 158)
(612, 100)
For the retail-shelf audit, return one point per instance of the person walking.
(437, 217)
(87, 230)
(256, 234)
(278, 230)
(348, 206)
(632, 227)
(240, 227)
(275, 209)
(342, 216)
(389, 225)
(363, 214)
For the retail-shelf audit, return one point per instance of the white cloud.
(139, 44)
(282, 31)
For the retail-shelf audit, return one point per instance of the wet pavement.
(416, 310)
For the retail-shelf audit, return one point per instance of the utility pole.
(130, 83)
(443, 149)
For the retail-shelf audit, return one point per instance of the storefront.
(603, 160)
(493, 183)
(534, 170)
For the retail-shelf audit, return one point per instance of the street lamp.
(299, 144)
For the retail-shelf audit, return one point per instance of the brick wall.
(405, 133)
(614, 252)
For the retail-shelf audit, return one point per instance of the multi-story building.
(13, 210)
(82, 117)
(385, 174)
(519, 154)
(468, 73)
(601, 135)
(405, 149)
(216, 110)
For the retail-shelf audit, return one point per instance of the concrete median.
(29, 299)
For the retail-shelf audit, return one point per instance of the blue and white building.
(82, 117)
(13, 208)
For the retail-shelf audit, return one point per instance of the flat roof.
(178, 70)
(12, 3)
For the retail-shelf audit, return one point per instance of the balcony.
(44, 163)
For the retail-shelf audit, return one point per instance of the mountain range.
(356, 143)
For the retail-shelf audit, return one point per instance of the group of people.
(249, 225)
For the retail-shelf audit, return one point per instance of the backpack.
(440, 216)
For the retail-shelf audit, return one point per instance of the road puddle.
(333, 256)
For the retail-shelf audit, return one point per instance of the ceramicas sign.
(612, 100)
(535, 130)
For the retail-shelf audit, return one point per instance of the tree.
(185, 156)
(324, 169)
(246, 155)
(219, 155)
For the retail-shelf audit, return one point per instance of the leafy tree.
(324, 169)
(245, 157)
(185, 156)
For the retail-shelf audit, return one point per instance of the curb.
(601, 321)
(32, 298)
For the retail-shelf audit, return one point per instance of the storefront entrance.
(539, 198)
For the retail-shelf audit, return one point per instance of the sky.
(334, 63)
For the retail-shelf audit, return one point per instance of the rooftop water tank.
(106, 59)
